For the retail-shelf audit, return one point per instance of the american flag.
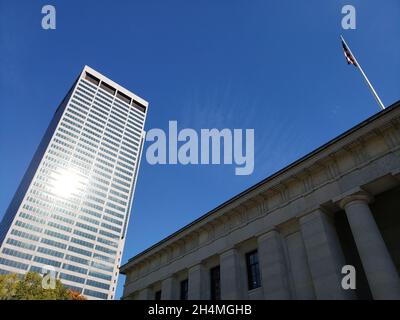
(350, 59)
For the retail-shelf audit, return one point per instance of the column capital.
(362, 196)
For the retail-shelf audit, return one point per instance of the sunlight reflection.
(67, 182)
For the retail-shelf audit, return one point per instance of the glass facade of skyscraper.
(72, 208)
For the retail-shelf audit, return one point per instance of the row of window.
(103, 112)
(120, 107)
(83, 150)
(55, 253)
(81, 280)
(72, 239)
(253, 279)
(51, 199)
(135, 121)
(65, 237)
(126, 162)
(47, 261)
(119, 98)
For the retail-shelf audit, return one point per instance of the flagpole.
(365, 77)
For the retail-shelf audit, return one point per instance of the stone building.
(289, 236)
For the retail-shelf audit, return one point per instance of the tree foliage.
(29, 287)
(74, 295)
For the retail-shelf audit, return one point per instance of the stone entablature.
(319, 181)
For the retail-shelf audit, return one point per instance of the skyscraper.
(71, 210)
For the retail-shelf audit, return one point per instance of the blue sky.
(274, 66)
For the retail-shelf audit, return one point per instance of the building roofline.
(309, 155)
(116, 85)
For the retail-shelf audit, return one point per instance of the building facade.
(71, 210)
(289, 236)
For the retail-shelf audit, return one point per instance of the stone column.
(324, 255)
(274, 275)
(198, 283)
(146, 294)
(299, 269)
(231, 277)
(379, 268)
(169, 289)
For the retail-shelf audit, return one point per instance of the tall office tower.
(71, 210)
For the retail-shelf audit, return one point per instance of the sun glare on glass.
(67, 183)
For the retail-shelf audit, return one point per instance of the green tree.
(8, 284)
(29, 287)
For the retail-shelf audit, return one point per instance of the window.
(92, 79)
(94, 293)
(69, 277)
(107, 234)
(80, 251)
(17, 254)
(112, 220)
(184, 289)
(107, 88)
(74, 268)
(24, 235)
(99, 275)
(82, 242)
(77, 259)
(157, 295)
(107, 242)
(74, 288)
(90, 220)
(51, 252)
(84, 234)
(14, 264)
(47, 261)
(253, 270)
(123, 97)
(21, 244)
(139, 107)
(97, 284)
(103, 258)
(102, 266)
(56, 235)
(53, 243)
(106, 250)
(115, 214)
(110, 227)
(215, 283)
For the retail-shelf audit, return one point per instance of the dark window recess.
(215, 283)
(92, 79)
(107, 88)
(253, 270)
(157, 295)
(123, 97)
(139, 107)
(184, 289)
